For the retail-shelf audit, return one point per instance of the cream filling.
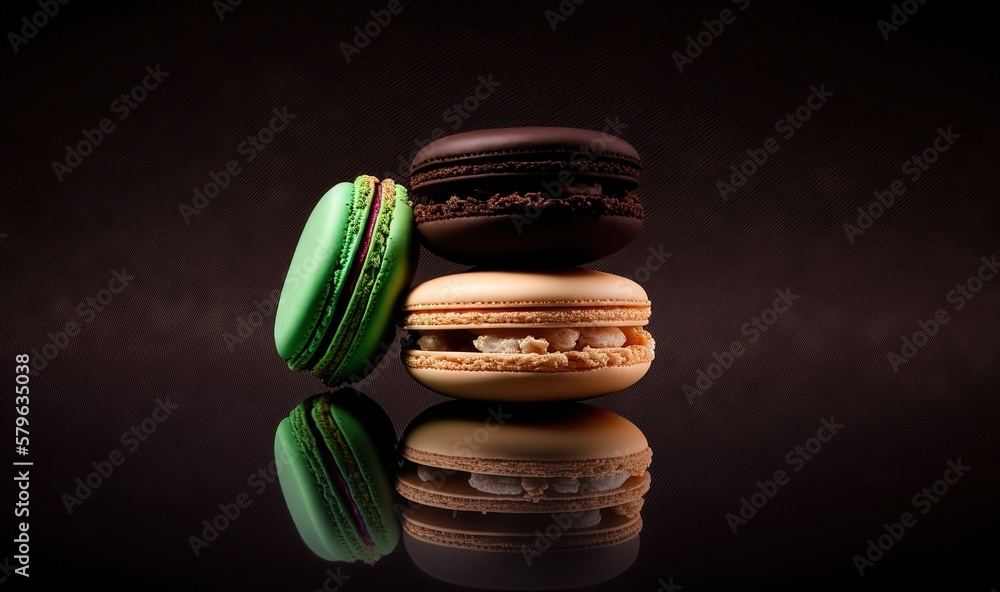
(532, 486)
(539, 340)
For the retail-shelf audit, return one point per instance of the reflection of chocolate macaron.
(527, 335)
(526, 196)
(531, 489)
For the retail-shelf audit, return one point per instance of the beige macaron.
(522, 496)
(527, 335)
(472, 456)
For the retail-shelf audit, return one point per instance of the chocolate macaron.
(528, 196)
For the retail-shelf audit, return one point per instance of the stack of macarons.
(515, 475)
(519, 478)
(526, 204)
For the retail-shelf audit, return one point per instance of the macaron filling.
(513, 485)
(586, 201)
(303, 421)
(347, 291)
(539, 340)
(534, 488)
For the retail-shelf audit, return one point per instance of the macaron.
(337, 456)
(527, 335)
(535, 486)
(354, 259)
(526, 196)
(518, 458)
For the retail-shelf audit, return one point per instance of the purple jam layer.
(330, 464)
(347, 291)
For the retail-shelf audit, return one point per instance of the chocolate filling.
(536, 203)
(580, 165)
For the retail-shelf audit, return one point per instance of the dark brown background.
(164, 335)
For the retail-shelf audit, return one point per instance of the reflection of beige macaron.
(527, 335)
(531, 552)
(525, 491)
(464, 455)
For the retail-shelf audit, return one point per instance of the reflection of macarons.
(338, 452)
(533, 554)
(527, 336)
(526, 196)
(353, 260)
(532, 482)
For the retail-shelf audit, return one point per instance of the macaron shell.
(516, 526)
(564, 316)
(575, 434)
(529, 386)
(367, 472)
(305, 502)
(302, 312)
(457, 494)
(474, 567)
(378, 301)
(526, 289)
(522, 145)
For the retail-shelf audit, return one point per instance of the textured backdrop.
(142, 272)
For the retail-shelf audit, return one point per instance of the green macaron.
(337, 456)
(354, 259)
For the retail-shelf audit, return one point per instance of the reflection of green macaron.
(353, 260)
(338, 452)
